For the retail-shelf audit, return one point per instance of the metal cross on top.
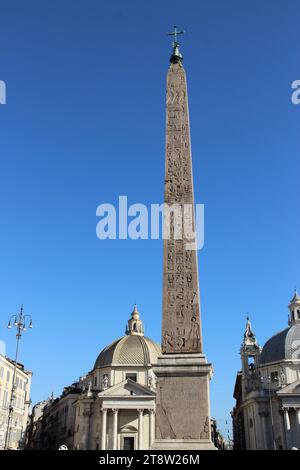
(175, 33)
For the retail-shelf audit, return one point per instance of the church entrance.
(128, 443)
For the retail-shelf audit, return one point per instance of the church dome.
(129, 350)
(283, 345)
(132, 349)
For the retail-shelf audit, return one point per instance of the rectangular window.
(128, 443)
(274, 377)
(1, 372)
(131, 376)
(7, 376)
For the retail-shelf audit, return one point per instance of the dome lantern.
(133, 349)
(294, 307)
(135, 324)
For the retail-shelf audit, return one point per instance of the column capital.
(140, 411)
(285, 409)
(103, 410)
(151, 410)
(115, 410)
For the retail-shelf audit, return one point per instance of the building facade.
(267, 389)
(117, 407)
(112, 407)
(51, 423)
(216, 436)
(21, 402)
(34, 426)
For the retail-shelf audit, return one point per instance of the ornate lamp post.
(20, 321)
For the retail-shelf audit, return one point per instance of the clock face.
(295, 349)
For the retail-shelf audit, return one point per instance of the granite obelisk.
(183, 374)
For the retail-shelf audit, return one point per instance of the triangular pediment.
(291, 389)
(127, 388)
(128, 428)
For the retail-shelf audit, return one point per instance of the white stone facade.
(21, 402)
(267, 390)
(117, 407)
(112, 407)
(120, 417)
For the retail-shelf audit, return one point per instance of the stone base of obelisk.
(182, 444)
(182, 404)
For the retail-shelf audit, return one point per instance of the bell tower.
(250, 353)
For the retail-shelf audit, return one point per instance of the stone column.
(297, 411)
(264, 440)
(103, 428)
(287, 426)
(140, 435)
(85, 427)
(115, 428)
(298, 418)
(151, 426)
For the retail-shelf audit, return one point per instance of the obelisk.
(183, 374)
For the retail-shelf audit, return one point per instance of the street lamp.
(20, 321)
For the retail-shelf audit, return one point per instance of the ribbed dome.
(129, 350)
(284, 345)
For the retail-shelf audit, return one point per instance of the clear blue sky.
(84, 123)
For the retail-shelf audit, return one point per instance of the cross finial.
(175, 34)
(176, 56)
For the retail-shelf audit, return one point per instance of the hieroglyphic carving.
(205, 433)
(181, 311)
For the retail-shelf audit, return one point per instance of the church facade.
(112, 407)
(267, 389)
(117, 409)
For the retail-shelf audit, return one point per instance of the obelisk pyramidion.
(183, 374)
